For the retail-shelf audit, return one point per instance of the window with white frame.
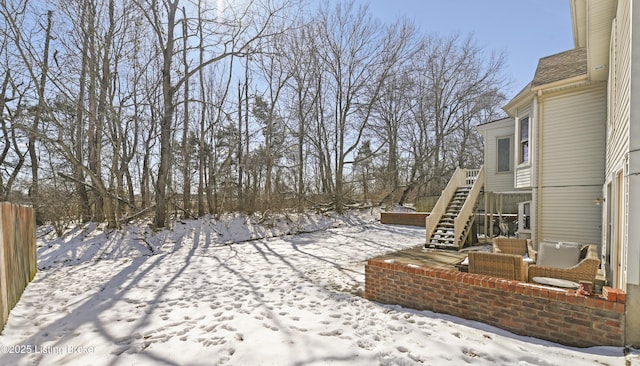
(524, 216)
(504, 154)
(523, 140)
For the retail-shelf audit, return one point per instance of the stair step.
(442, 246)
(447, 243)
(444, 236)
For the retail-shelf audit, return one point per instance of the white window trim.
(518, 155)
(511, 157)
(521, 228)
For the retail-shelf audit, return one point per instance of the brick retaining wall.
(553, 314)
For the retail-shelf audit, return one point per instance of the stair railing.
(471, 176)
(458, 178)
(466, 211)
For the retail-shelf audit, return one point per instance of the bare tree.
(235, 34)
(303, 64)
(393, 113)
(276, 75)
(359, 55)
(12, 156)
(460, 84)
(14, 15)
(117, 110)
(186, 146)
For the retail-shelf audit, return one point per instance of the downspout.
(537, 164)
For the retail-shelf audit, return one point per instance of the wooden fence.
(17, 254)
(404, 218)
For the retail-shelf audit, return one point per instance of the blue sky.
(525, 30)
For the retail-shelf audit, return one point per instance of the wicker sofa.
(509, 266)
(585, 270)
(510, 246)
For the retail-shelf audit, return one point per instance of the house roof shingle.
(561, 66)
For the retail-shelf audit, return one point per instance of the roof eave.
(502, 122)
(510, 107)
(560, 83)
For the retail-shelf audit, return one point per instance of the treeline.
(112, 109)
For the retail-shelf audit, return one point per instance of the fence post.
(4, 301)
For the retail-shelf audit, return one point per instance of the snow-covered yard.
(230, 292)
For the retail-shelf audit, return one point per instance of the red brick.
(535, 291)
(609, 293)
(612, 323)
(608, 305)
(622, 296)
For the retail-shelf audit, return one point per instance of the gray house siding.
(572, 158)
(497, 181)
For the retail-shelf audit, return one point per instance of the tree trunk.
(83, 198)
(239, 153)
(33, 155)
(203, 113)
(186, 146)
(168, 93)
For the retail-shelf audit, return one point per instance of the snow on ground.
(229, 291)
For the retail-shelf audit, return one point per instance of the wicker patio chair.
(499, 265)
(510, 246)
(585, 270)
(532, 250)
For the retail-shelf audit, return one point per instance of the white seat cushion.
(558, 255)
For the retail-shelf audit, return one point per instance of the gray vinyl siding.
(599, 28)
(523, 177)
(572, 165)
(569, 214)
(498, 181)
(620, 87)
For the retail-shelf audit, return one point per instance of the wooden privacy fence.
(17, 254)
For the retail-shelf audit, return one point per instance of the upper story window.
(504, 154)
(523, 140)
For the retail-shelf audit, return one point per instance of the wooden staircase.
(449, 223)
